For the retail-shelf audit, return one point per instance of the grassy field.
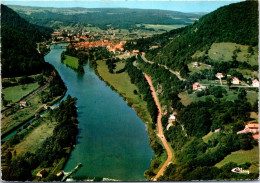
(34, 140)
(71, 62)
(8, 122)
(119, 66)
(224, 52)
(198, 68)
(121, 82)
(241, 157)
(164, 27)
(209, 136)
(15, 93)
(248, 73)
(186, 98)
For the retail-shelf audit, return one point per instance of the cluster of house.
(251, 128)
(110, 45)
(44, 173)
(198, 87)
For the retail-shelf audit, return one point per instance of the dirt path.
(173, 72)
(160, 130)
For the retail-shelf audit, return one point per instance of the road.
(160, 130)
(173, 72)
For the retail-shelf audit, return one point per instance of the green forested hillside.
(236, 23)
(19, 37)
(223, 41)
(122, 18)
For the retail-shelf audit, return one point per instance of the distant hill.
(237, 23)
(103, 17)
(19, 37)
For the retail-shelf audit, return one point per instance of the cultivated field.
(15, 93)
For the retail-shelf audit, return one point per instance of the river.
(113, 141)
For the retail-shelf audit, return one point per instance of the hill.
(19, 37)
(224, 42)
(237, 23)
(103, 18)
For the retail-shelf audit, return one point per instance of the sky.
(183, 6)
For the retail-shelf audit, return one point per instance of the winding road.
(160, 130)
(173, 72)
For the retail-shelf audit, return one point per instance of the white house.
(255, 83)
(235, 81)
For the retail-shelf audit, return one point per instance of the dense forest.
(219, 26)
(103, 17)
(19, 37)
(139, 80)
(195, 158)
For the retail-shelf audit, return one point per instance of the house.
(42, 174)
(235, 81)
(61, 173)
(196, 86)
(255, 83)
(136, 51)
(251, 128)
(23, 103)
(219, 75)
(195, 64)
(172, 118)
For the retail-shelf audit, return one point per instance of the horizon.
(181, 6)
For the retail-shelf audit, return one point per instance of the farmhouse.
(219, 75)
(255, 83)
(196, 86)
(23, 103)
(195, 64)
(235, 81)
(251, 128)
(136, 51)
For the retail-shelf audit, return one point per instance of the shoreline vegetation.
(113, 81)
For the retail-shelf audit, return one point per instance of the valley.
(166, 97)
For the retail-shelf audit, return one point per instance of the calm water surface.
(112, 141)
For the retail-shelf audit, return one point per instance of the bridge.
(58, 46)
(67, 174)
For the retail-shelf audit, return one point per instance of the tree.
(229, 82)
(242, 94)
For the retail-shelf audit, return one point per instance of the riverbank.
(121, 83)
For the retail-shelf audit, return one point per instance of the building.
(195, 64)
(251, 128)
(42, 174)
(196, 86)
(136, 51)
(219, 75)
(255, 83)
(23, 103)
(61, 173)
(172, 118)
(235, 81)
